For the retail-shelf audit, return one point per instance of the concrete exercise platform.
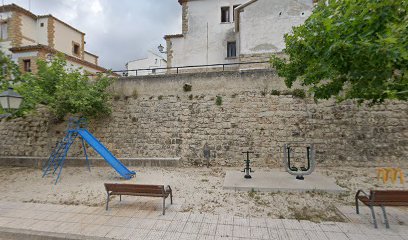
(280, 181)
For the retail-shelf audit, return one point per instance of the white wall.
(5, 47)
(5, 15)
(193, 48)
(64, 36)
(16, 56)
(29, 30)
(153, 60)
(74, 65)
(262, 29)
(90, 58)
(42, 32)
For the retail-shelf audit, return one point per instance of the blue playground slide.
(105, 153)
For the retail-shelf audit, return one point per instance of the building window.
(233, 12)
(75, 49)
(231, 49)
(42, 24)
(27, 65)
(225, 14)
(4, 31)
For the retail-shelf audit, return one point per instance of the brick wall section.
(178, 124)
(169, 53)
(14, 29)
(34, 66)
(184, 17)
(51, 32)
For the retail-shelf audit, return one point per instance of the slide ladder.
(77, 128)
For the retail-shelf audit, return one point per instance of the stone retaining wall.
(164, 121)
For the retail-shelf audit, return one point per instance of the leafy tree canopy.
(62, 89)
(351, 49)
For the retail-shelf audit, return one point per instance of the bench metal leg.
(171, 198)
(357, 209)
(387, 225)
(107, 202)
(164, 205)
(120, 198)
(374, 220)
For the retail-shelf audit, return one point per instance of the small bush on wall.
(299, 93)
(218, 101)
(275, 92)
(187, 87)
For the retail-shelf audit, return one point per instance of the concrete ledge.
(280, 181)
(39, 162)
(21, 234)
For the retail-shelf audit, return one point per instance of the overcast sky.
(116, 30)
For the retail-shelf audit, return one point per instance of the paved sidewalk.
(138, 219)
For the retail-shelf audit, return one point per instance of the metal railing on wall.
(177, 70)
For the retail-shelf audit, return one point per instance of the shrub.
(187, 87)
(116, 96)
(64, 90)
(160, 97)
(135, 94)
(299, 93)
(264, 92)
(275, 92)
(218, 101)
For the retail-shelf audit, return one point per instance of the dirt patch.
(200, 187)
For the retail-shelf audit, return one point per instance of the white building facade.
(149, 65)
(233, 31)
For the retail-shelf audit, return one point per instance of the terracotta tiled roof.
(91, 54)
(15, 7)
(66, 24)
(182, 1)
(39, 47)
(173, 36)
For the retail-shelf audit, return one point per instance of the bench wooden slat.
(143, 190)
(382, 198)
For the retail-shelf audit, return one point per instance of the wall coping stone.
(197, 74)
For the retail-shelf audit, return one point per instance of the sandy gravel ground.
(199, 188)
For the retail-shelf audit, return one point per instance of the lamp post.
(10, 101)
(161, 49)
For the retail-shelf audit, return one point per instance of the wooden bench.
(382, 198)
(139, 190)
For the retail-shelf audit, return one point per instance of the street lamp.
(10, 100)
(161, 49)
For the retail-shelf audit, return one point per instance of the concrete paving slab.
(396, 215)
(187, 226)
(259, 233)
(279, 181)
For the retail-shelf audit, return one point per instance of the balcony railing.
(177, 70)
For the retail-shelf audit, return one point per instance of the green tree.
(9, 74)
(63, 90)
(351, 49)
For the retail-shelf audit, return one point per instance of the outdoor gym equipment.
(247, 170)
(207, 154)
(390, 173)
(302, 171)
(78, 127)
